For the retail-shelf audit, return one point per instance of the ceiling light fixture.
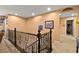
(16, 14)
(48, 9)
(73, 14)
(60, 14)
(33, 14)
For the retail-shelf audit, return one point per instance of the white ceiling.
(27, 10)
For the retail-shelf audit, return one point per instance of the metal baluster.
(39, 35)
(15, 36)
(77, 46)
(50, 40)
(32, 49)
(36, 46)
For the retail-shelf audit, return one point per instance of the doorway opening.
(2, 25)
(69, 27)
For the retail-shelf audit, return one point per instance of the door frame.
(74, 25)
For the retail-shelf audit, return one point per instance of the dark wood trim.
(15, 36)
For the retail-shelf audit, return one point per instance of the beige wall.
(62, 26)
(17, 22)
(31, 24)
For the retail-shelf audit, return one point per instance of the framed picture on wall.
(49, 24)
(40, 27)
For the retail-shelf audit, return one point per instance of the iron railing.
(24, 39)
(77, 45)
(11, 36)
(32, 48)
(44, 44)
(30, 43)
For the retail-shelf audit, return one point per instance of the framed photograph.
(40, 27)
(49, 24)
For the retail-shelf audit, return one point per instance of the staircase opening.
(29, 42)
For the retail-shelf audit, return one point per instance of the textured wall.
(31, 24)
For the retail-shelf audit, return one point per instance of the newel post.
(40, 28)
(39, 35)
(50, 40)
(15, 36)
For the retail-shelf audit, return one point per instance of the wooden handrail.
(44, 35)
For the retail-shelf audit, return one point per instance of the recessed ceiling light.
(16, 14)
(59, 14)
(48, 9)
(33, 14)
(73, 14)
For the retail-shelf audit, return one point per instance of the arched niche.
(67, 16)
(68, 12)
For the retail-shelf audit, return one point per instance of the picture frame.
(49, 24)
(40, 27)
